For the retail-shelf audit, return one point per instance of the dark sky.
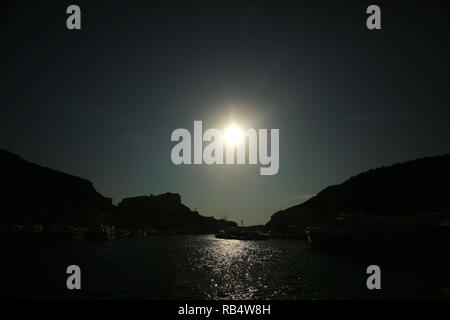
(101, 102)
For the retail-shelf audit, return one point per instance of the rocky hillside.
(413, 187)
(166, 212)
(32, 194)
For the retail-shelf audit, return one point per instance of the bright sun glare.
(233, 135)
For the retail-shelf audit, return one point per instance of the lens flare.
(233, 135)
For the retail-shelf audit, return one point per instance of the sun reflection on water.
(251, 270)
(234, 268)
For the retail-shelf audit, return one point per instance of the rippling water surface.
(203, 267)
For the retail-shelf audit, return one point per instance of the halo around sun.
(233, 135)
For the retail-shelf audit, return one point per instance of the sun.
(233, 135)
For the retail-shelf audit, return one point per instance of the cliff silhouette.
(415, 187)
(31, 194)
(166, 211)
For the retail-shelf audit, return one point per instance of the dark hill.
(32, 194)
(166, 212)
(413, 187)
